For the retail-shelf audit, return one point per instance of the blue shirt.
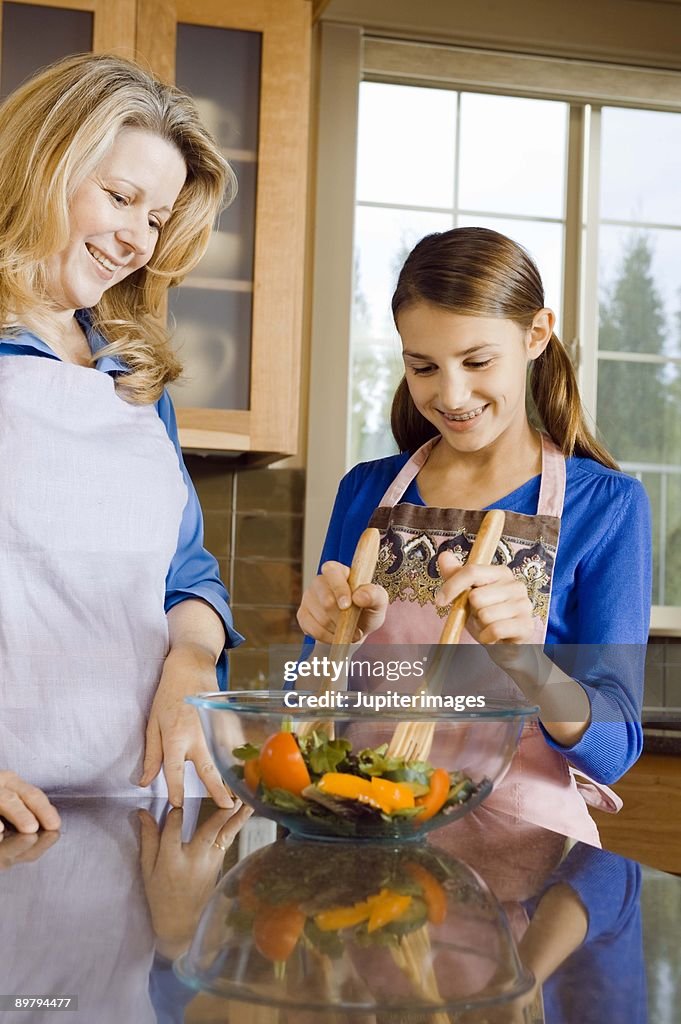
(604, 979)
(601, 592)
(193, 572)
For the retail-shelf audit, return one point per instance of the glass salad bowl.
(406, 928)
(358, 773)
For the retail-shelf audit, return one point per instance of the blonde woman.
(111, 610)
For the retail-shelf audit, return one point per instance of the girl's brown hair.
(55, 130)
(478, 272)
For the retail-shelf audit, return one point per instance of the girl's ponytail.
(410, 429)
(556, 397)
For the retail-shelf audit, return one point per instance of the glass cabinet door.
(212, 310)
(37, 34)
(237, 318)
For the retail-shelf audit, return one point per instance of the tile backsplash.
(254, 527)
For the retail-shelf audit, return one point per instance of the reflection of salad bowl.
(335, 779)
(404, 927)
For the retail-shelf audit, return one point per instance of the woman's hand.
(179, 878)
(329, 594)
(24, 848)
(25, 806)
(500, 608)
(174, 733)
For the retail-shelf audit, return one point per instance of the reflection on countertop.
(152, 917)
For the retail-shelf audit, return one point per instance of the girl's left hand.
(500, 608)
(174, 733)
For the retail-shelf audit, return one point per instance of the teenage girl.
(574, 563)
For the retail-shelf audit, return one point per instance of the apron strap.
(552, 488)
(408, 473)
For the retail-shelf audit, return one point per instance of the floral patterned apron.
(91, 500)
(540, 786)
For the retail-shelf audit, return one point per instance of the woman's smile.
(105, 265)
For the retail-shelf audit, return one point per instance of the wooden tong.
(413, 740)
(361, 571)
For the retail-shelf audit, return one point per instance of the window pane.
(638, 411)
(376, 371)
(543, 241)
(405, 148)
(672, 592)
(639, 282)
(383, 240)
(653, 485)
(664, 491)
(640, 161)
(512, 155)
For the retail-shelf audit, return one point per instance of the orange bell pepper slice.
(433, 893)
(434, 799)
(282, 765)
(252, 774)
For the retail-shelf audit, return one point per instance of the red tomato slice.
(276, 930)
(282, 764)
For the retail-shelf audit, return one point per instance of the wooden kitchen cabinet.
(238, 316)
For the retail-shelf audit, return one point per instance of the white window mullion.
(339, 79)
(573, 234)
(588, 377)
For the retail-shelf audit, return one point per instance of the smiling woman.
(116, 217)
(111, 610)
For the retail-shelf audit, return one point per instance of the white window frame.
(346, 58)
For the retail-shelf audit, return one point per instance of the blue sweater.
(601, 589)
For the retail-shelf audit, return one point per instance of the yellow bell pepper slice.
(386, 796)
(349, 786)
(337, 918)
(398, 795)
(385, 907)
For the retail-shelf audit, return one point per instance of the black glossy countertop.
(145, 918)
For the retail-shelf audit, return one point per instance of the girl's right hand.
(329, 594)
(25, 806)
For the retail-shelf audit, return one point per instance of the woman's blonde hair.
(55, 130)
(478, 272)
